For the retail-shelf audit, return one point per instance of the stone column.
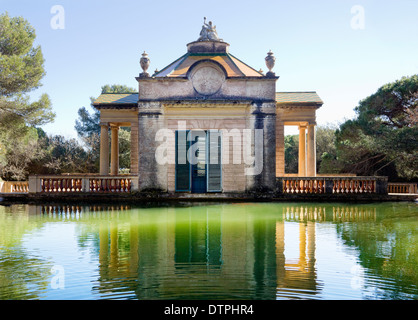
(302, 151)
(311, 150)
(104, 149)
(280, 149)
(114, 151)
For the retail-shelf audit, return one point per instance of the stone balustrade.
(82, 183)
(14, 186)
(284, 185)
(332, 184)
(398, 187)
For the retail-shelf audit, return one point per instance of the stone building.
(207, 122)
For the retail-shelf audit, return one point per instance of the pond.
(267, 251)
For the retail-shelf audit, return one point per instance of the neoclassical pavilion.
(207, 122)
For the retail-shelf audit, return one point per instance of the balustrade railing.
(110, 185)
(398, 187)
(14, 186)
(81, 183)
(126, 183)
(310, 185)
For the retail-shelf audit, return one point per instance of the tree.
(326, 150)
(291, 150)
(16, 158)
(383, 139)
(21, 70)
(60, 155)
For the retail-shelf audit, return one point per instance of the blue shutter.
(182, 163)
(214, 161)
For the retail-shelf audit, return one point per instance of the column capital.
(104, 124)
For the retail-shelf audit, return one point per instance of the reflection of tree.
(388, 247)
(22, 275)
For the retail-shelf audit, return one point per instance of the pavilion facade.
(207, 122)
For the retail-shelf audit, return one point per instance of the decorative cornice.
(116, 106)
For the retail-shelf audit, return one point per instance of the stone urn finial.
(270, 61)
(144, 62)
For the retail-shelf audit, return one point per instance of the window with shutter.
(214, 175)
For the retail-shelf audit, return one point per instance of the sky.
(344, 50)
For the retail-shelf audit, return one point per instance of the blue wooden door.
(198, 150)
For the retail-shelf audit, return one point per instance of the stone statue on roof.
(208, 32)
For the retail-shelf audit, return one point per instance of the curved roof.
(232, 65)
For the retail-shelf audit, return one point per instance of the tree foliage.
(21, 70)
(291, 151)
(383, 139)
(326, 150)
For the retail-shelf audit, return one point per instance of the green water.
(219, 251)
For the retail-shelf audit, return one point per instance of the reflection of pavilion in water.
(208, 252)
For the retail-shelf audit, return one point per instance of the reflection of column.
(134, 247)
(280, 257)
(311, 150)
(104, 149)
(311, 245)
(302, 246)
(302, 151)
(104, 247)
(114, 152)
(114, 257)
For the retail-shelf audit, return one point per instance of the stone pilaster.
(152, 175)
(262, 117)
